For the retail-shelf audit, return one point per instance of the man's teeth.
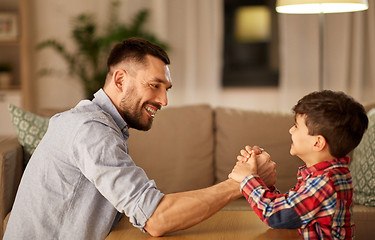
(151, 110)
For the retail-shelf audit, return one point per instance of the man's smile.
(151, 110)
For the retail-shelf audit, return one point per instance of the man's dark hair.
(337, 117)
(135, 49)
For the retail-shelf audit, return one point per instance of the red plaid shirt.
(320, 205)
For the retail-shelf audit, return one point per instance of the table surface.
(223, 225)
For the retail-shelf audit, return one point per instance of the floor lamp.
(320, 7)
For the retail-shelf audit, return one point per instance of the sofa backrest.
(178, 150)
(193, 147)
(237, 128)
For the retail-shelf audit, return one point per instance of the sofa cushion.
(362, 166)
(178, 150)
(30, 129)
(237, 128)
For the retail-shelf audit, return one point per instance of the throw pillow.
(30, 129)
(362, 166)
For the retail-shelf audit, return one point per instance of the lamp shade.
(320, 6)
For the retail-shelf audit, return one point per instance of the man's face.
(145, 93)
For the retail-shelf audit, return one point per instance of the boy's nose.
(291, 130)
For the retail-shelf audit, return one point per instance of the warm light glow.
(320, 6)
(252, 24)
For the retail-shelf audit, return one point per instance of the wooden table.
(223, 225)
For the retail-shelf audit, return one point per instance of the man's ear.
(320, 143)
(119, 77)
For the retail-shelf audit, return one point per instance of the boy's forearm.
(279, 214)
(179, 211)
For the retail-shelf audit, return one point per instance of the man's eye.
(154, 85)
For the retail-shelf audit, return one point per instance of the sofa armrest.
(11, 168)
(364, 219)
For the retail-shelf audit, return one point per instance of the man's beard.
(133, 115)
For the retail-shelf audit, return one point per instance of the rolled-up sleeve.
(104, 161)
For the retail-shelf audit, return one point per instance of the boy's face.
(302, 142)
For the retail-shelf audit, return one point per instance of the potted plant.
(87, 62)
(5, 75)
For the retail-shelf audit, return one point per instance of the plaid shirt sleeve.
(308, 200)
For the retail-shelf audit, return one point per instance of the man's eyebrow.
(163, 82)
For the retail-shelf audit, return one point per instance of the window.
(250, 43)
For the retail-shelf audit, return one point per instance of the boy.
(328, 125)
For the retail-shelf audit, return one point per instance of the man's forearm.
(178, 211)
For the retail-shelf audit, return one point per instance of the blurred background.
(230, 53)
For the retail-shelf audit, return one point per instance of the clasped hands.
(254, 160)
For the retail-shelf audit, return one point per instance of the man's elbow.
(154, 228)
(154, 232)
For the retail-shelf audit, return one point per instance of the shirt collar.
(104, 102)
(305, 172)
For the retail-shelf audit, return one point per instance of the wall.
(53, 20)
(194, 30)
(184, 24)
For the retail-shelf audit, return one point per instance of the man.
(80, 178)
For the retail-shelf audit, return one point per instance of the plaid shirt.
(319, 206)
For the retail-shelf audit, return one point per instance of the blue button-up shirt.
(79, 178)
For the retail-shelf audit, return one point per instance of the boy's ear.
(320, 143)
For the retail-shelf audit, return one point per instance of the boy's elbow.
(285, 219)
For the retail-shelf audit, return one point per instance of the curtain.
(348, 54)
(194, 31)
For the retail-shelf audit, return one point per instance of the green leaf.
(88, 60)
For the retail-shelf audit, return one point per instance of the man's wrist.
(235, 185)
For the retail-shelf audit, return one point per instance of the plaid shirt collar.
(306, 172)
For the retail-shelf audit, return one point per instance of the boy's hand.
(266, 168)
(242, 169)
(246, 153)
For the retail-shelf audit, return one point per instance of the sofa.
(192, 147)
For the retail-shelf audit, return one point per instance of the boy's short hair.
(337, 117)
(135, 49)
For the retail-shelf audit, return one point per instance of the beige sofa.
(194, 147)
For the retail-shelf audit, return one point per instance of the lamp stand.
(321, 51)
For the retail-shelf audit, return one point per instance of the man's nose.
(162, 98)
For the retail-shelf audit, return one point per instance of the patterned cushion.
(362, 166)
(30, 129)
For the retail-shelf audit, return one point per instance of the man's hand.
(243, 169)
(265, 168)
(246, 153)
